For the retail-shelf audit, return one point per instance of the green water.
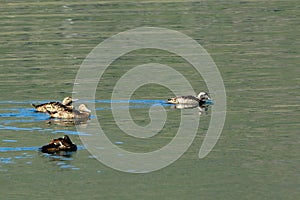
(255, 45)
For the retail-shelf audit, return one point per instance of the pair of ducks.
(64, 110)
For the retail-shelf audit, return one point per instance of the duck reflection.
(62, 160)
(202, 109)
(67, 122)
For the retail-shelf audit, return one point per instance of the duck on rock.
(60, 144)
(54, 105)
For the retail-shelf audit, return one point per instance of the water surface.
(255, 45)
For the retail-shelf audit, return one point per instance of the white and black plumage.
(191, 100)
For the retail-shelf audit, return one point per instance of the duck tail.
(51, 112)
(33, 105)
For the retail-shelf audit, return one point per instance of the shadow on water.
(62, 161)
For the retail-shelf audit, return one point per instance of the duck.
(66, 113)
(59, 144)
(54, 105)
(191, 100)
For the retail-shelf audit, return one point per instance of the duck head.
(203, 96)
(83, 108)
(68, 100)
(67, 140)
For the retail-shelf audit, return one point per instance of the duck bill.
(87, 110)
(74, 100)
(209, 101)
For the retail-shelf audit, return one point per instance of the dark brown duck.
(59, 144)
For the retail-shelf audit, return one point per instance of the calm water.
(255, 45)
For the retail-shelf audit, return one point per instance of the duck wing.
(60, 111)
(190, 97)
(43, 107)
(52, 147)
(50, 106)
(56, 107)
(187, 100)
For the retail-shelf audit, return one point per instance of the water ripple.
(34, 148)
(18, 115)
(9, 149)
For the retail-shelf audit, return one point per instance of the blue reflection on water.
(14, 115)
(70, 132)
(9, 140)
(18, 128)
(18, 115)
(34, 148)
(143, 101)
(21, 115)
(6, 149)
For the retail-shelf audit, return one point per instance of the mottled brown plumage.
(66, 113)
(54, 106)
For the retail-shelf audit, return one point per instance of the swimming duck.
(66, 113)
(59, 144)
(54, 106)
(192, 100)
